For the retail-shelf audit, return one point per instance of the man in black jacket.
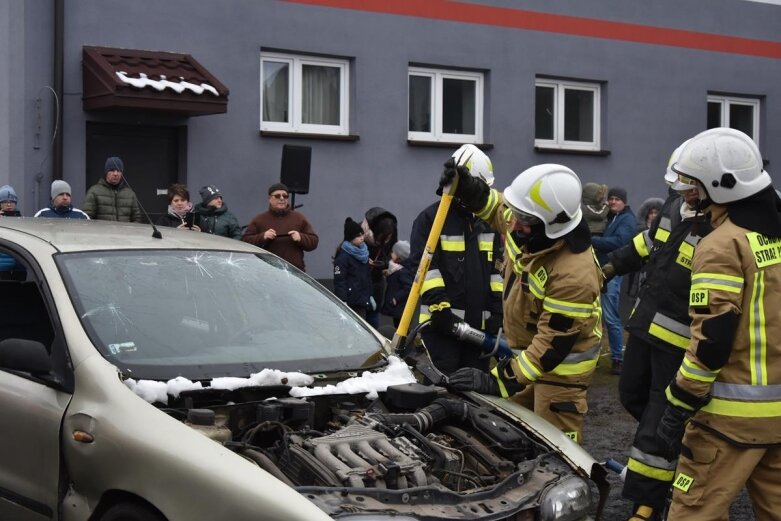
(463, 282)
(658, 337)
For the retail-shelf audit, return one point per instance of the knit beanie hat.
(594, 193)
(352, 229)
(401, 248)
(277, 186)
(209, 193)
(7, 193)
(113, 163)
(617, 192)
(60, 187)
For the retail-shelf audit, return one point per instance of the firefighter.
(658, 334)
(463, 282)
(726, 395)
(551, 293)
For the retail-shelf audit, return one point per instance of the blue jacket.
(621, 227)
(68, 212)
(352, 281)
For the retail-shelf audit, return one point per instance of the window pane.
(419, 103)
(578, 115)
(714, 114)
(275, 91)
(543, 113)
(320, 95)
(741, 117)
(458, 106)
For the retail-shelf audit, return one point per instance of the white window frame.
(559, 89)
(436, 134)
(726, 101)
(295, 64)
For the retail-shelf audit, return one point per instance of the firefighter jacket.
(463, 273)
(734, 355)
(551, 303)
(661, 312)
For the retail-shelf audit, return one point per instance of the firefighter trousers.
(648, 370)
(563, 406)
(450, 354)
(711, 472)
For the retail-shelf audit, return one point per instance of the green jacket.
(111, 203)
(218, 221)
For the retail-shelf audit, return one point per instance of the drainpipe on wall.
(59, 42)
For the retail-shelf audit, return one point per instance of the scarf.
(361, 253)
(184, 212)
(393, 267)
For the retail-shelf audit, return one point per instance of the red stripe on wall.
(454, 11)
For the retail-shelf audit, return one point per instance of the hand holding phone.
(189, 219)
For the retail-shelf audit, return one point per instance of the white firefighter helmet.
(671, 177)
(476, 161)
(726, 162)
(549, 192)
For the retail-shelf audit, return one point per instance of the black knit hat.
(352, 229)
(617, 192)
(113, 163)
(209, 193)
(277, 186)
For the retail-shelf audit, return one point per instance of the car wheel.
(132, 512)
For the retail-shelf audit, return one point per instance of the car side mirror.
(28, 356)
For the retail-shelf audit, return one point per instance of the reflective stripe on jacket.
(664, 252)
(736, 274)
(551, 306)
(463, 271)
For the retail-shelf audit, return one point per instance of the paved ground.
(608, 433)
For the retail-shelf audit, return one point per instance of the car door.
(32, 406)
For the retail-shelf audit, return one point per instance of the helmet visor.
(525, 218)
(684, 183)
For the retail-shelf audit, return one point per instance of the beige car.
(192, 377)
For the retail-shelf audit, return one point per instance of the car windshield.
(158, 314)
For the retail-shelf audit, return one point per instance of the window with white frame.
(445, 106)
(304, 94)
(734, 112)
(566, 115)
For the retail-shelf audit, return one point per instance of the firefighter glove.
(443, 321)
(669, 432)
(608, 272)
(493, 323)
(471, 191)
(471, 379)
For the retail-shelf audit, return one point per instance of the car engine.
(417, 450)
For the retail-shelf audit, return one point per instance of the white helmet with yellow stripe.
(549, 192)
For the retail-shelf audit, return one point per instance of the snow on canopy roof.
(150, 80)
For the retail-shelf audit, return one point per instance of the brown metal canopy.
(151, 81)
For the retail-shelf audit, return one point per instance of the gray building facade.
(382, 91)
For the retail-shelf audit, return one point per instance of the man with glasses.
(281, 230)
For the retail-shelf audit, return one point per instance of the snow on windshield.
(395, 373)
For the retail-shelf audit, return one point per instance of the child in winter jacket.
(399, 277)
(352, 280)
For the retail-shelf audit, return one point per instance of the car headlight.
(567, 501)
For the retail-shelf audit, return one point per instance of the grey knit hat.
(60, 187)
(401, 248)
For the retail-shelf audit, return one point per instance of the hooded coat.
(112, 203)
(218, 221)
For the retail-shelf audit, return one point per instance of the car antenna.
(155, 232)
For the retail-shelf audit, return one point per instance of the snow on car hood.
(395, 373)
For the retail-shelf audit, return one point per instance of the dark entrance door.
(153, 158)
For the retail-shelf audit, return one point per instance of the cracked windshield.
(161, 314)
